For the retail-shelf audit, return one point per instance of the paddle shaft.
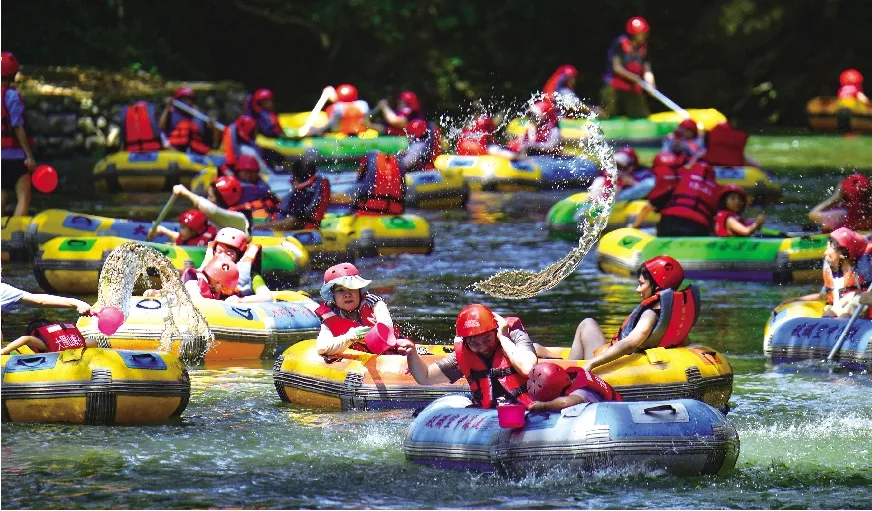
(325, 95)
(196, 113)
(163, 213)
(838, 346)
(663, 99)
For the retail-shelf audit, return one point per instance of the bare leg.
(22, 193)
(543, 352)
(588, 337)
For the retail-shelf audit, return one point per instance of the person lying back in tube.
(554, 388)
(44, 336)
(493, 353)
(662, 319)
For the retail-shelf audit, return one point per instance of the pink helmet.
(262, 95)
(547, 381)
(195, 219)
(246, 163)
(224, 271)
(8, 64)
(626, 157)
(637, 25)
(850, 241)
(184, 92)
(346, 92)
(230, 190)
(665, 271)
(233, 237)
(345, 275)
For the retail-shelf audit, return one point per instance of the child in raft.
(842, 282)
(554, 388)
(732, 200)
(45, 336)
(217, 281)
(194, 230)
(348, 311)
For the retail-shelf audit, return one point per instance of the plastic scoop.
(45, 178)
(511, 416)
(380, 338)
(109, 320)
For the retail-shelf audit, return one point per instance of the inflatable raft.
(565, 217)
(150, 171)
(94, 386)
(72, 265)
(495, 173)
(796, 331)
(682, 437)
(624, 131)
(14, 238)
(756, 183)
(357, 380)
(834, 114)
(778, 260)
(242, 331)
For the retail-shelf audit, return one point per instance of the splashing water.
(519, 284)
(128, 266)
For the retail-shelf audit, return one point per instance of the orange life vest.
(695, 198)
(186, 135)
(584, 379)
(679, 311)
(139, 128)
(339, 325)
(384, 185)
(479, 376)
(9, 141)
(852, 283)
(725, 146)
(61, 336)
(351, 122)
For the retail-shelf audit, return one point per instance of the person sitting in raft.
(841, 279)
(17, 149)
(732, 200)
(662, 319)
(45, 336)
(554, 388)
(665, 169)
(425, 144)
(224, 193)
(626, 162)
(494, 354)
(854, 195)
(185, 132)
(725, 146)
(685, 141)
(542, 135)
(238, 139)
(194, 231)
(348, 311)
(216, 281)
(246, 169)
(306, 202)
(381, 185)
(346, 115)
(627, 65)
(851, 86)
(261, 107)
(560, 86)
(476, 139)
(691, 208)
(408, 110)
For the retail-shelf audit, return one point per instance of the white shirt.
(10, 295)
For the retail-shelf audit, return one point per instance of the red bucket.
(380, 338)
(511, 416)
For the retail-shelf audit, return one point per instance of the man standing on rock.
(17, 155)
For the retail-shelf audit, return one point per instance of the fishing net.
(519, 284)
(132, 265)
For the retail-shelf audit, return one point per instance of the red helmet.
(233, 237)
(728, 189)
(229, 189)
(195, 219)
(665, 271)
(246, 127)
(689, 125)
(850, 241)
(485, 124)
(416, 128)
(848, 77)
(262, 95)
(637, 25)
(246, 163)
(547, 381)
(184, 92)
(543, 108)
(857, 187)
(223, 270)
(567, 70)
(475, 319)
(410, 98)
(666, 159)
(346, 92)
(626, 157)
(9, 64)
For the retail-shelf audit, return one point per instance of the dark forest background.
(757, 61)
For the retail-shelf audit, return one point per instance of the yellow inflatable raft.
(242, 331)
(834, 114)
(150, 171)
(776, 260)
(493, 173)
(94, 386)
(357, 380)
(72, 265)
(14, 240)
(379, 235)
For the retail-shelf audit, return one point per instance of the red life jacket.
(9, 141)
(478, 375)
(339, 325)
(725, 146)
(472, 142)
(721, 222)
(186, 135)
(199, 241)
(665, 181)
(206, 290)
(853, 283)
(632, 58)
(139, 128)
(352, 112)
(434, 145)
(584, 379)
(859, 214)
(318, 206)
(231, 143)
(679, 311)
(695, 198)
(384, 186)
(61, 336)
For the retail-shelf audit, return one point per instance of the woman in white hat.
(348, 311)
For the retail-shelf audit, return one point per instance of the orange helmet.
(8, 64)
(848, 77)
(547, 381)
(728, 189)
(195, 219)
(850, 241)
(475, 319)
(665, 271)
(637, 25)
(346, 92)
(224, 271)
(229, 189)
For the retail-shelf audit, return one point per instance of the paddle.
(163, 214)
(326, 94)
(663, 99)
(196, 113)
(864, 301)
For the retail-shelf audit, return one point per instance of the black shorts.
(10, 172)
(676, 226)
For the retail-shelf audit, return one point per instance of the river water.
(806, 438)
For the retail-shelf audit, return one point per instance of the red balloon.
(45, 178)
